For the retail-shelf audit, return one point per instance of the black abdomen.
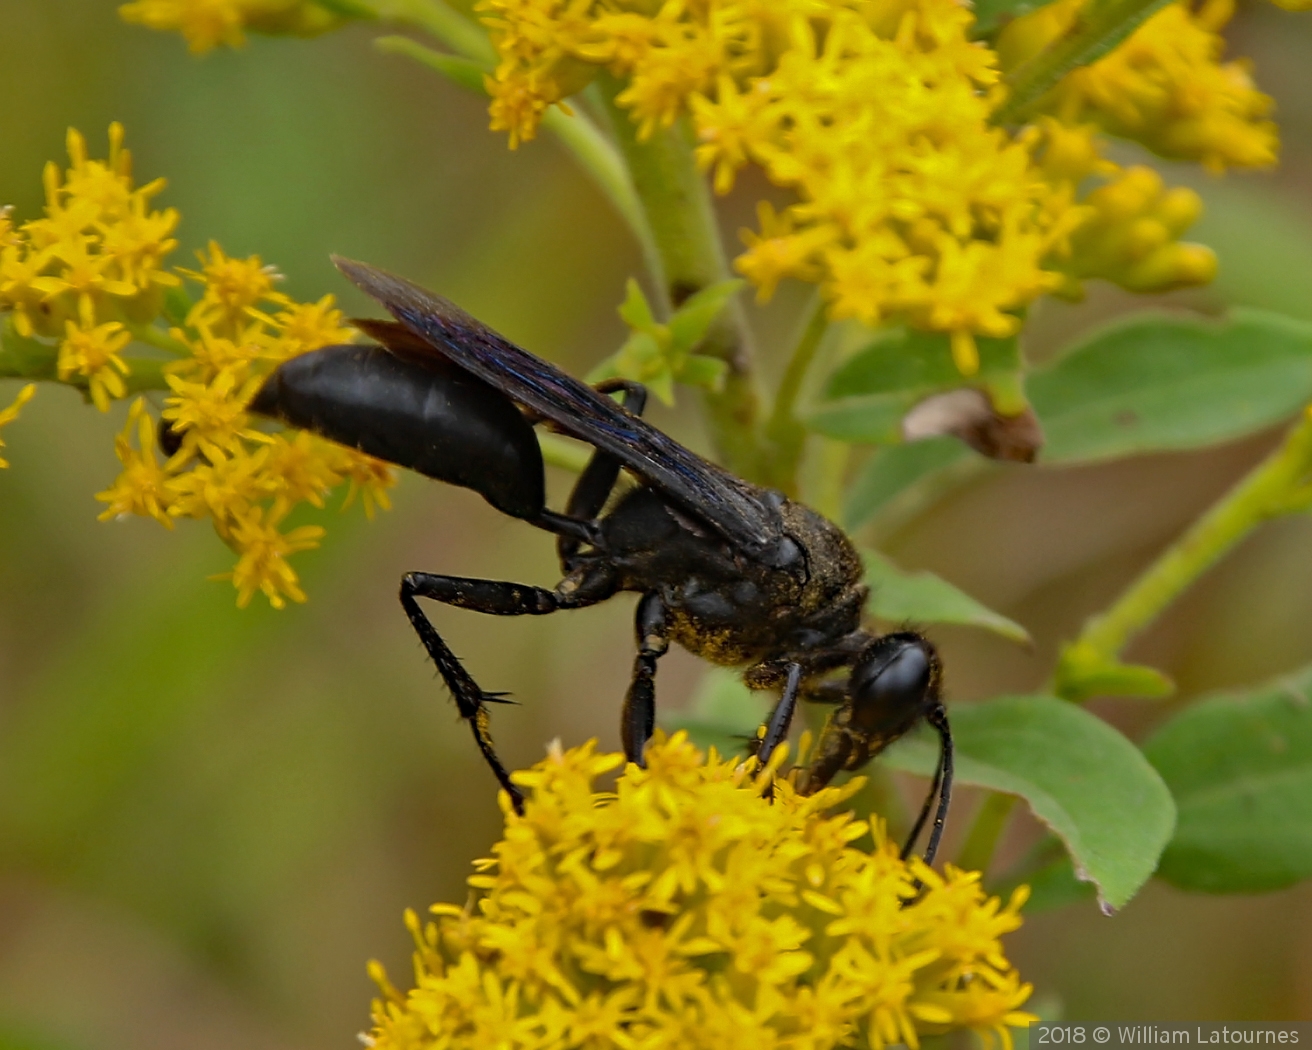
(443, 423)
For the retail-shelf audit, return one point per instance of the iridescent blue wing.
(742, 513)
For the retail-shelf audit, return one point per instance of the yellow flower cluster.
(911, 206)
(89, 274)
(685, 910)
(1164, 87)
(244, 480)
(91, 267)
(1133, 237)
(208, 23)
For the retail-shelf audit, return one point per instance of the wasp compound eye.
(893, 683)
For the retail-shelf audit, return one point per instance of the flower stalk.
(24, 358)
(784, 432)
(677, 203)
(1090, 666)
(586, 142)
(441, 21)
(1280, 484)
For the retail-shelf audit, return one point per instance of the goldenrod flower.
(685, 910)
(1132, 237)
(91, 351)
(211, 417)
(1165, 86)
(232, 288)
(8, 415)
(224, 468)
(142, 487)
(205, 24)
(87, 280)
(911, 206)
(95, 256)
(263, 564)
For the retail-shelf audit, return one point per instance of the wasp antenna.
(938, 718)
(933, 794)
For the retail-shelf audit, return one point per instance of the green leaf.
(1103, 25)
(1083, 779)
(921, 597)
(891, 470)
(867, 396)
(635, 311)
(992, 15)
(1240, 767)
(1052, 884)
(1157, 382)
(702, 371)
(660, 355)
(693, 319)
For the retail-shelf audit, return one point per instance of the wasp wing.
(742, 513)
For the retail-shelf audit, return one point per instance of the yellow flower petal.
(727, 951)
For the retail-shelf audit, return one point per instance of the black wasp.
(737, 574)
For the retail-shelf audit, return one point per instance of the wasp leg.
(776, 728)
(830, 691)
(638, 719)
(486, 596)
(594, 485)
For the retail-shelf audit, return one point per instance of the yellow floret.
(207, 24)
(8, 415)
(1165, 86)
(684, 909)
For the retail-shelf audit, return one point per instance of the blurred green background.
(210, 818)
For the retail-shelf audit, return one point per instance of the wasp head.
(894, 683)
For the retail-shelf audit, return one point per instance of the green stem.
(827, 492)
(593, 151)
(785, 435)
(1278, 485)
(144, 374)
(1274, 487)
(161, 340)
(22, 357)
(677, 203)
(462, 35)
(559, 452)
(25, 358)
(982, 839)
(1093, 34)
(600, 159)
